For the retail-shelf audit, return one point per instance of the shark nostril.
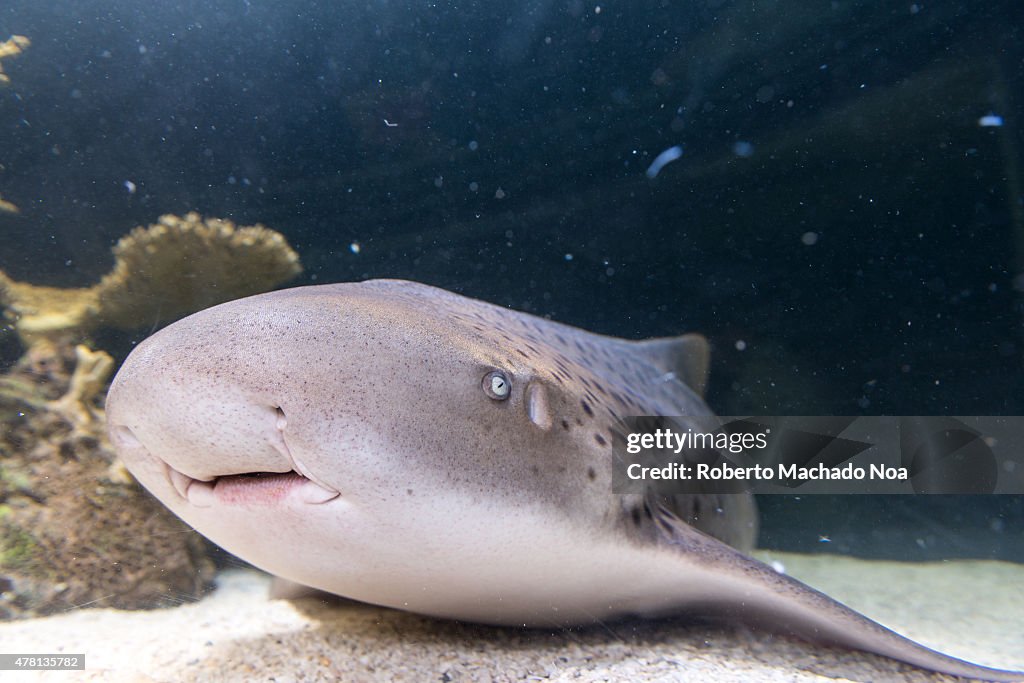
(282, 421)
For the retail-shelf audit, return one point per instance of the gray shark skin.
(438, 454)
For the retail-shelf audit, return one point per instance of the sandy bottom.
(974, 610)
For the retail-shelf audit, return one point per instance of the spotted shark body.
(402, 445)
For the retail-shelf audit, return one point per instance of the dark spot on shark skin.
(534, 469)
(587, 409)
(565, 425)
(591, 474)
(522, 353)
(408, 492)
(600, 439)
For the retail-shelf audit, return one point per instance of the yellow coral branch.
(91, 372)
(14, 45)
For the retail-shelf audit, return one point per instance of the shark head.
(329, 434)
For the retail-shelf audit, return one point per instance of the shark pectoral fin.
(749, 590)
(283, 589)
(688, 357)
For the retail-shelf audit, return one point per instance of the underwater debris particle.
(743, 149)
(990, 121)
(666, 157)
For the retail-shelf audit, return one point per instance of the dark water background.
(838, 211)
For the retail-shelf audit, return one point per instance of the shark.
(402, 445)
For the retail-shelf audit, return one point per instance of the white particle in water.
(666, 157)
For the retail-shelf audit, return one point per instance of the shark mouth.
(250, 488)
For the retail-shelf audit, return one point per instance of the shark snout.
(189, 434)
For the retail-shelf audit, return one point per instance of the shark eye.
(497, 385)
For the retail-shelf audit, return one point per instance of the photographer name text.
(781, 472)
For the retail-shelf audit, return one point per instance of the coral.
(14, 45)
(180, 265)
(39, 312)
(77, 406)
(164, 271)
(74, 530)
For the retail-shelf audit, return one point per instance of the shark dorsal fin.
(688, 356)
